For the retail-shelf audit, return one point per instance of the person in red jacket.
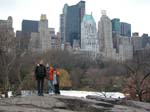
(50, 81)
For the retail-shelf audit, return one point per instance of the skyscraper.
(116, 25)
(145, 40)
(41, 41)
(24, 36)
(116, 33)
(62, 28)
(125, 29)
(121, 28)
(105, 36)
(108, 34)
(7, 38)
(70, 22)
(136, 41)
(30, 26)
(89, 40)
(44, 32)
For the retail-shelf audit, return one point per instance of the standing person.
(50, 81)
(56, 81)
(40, 74)
(47, 70)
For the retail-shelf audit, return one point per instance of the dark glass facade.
(30, 26)
(70, 24)
(62, 29)
(145, 40)
(125, 29)
(116, 25)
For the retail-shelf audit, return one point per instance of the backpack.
(40, 71)
(55, 79)
(47, 72)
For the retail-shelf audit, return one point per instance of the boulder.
(109, 100)
(58, 103)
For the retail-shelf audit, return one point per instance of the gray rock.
(58, 103)
(95, 108)
(140, 105)
(63, 110)
(109, 100)
(120, 108)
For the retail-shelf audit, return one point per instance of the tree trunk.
(140, 97)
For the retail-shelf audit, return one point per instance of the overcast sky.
(135, 12)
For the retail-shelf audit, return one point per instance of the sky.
(135, 12)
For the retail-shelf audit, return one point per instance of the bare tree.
(7, 54)
(138, 75)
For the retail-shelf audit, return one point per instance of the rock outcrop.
(58, 103)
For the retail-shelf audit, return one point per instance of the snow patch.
(83, 94)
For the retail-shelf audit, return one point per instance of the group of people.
(43, 72)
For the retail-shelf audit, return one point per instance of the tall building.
(89, 40)
(41, 41)
(105, 36)
(116, 25)
(108, 34)
(55, 39)
(62, 28)
(23, 37)
(121, 28)
(7, 23)
(70, 22)
(52, 32)
(125, 49)
(30, 26)
(116, 33)
(145, 40)
(7, 37)
(45, 38)
(125, 29)
(136, 41)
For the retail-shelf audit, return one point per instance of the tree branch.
(146, 76)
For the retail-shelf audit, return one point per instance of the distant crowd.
(50, 73)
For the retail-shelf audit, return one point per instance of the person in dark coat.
(40, 74)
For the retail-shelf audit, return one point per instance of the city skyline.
(130, 11)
